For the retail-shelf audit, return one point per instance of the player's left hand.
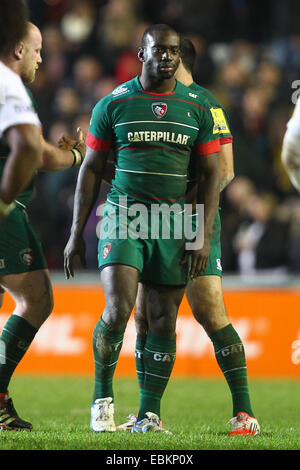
(199, 260)
(74, 247)
(66, 143)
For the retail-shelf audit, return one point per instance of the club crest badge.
(159, 109)
(26, 256)
(106, 250)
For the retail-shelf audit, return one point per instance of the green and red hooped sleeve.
(207, 148)
(99, 136)
(101, 145)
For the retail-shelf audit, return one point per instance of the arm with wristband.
(69, 153)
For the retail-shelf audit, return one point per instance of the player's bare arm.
(208, 193)
(67, 143)
(226, 172)
(25, 150)
(68, 153)
(226, 165)
(86, 193)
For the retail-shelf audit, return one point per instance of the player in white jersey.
(291, 148)
(23, 268)
(19, 125)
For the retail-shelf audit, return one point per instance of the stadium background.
(249, 56)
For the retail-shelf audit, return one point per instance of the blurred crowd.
(248, 56)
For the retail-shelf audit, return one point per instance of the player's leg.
(205, 297)
(162, 304)
(141, 326)
(32, 294)
(119, 284)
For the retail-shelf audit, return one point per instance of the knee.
(141, 323)
(210, 313)
(116, 316)
(42, 305)
(163, 323)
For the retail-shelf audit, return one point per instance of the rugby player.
(153, 123)
(19, 125)
(204, 293)
(23, 269)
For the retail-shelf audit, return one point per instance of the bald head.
(30, 53)
(31, 29)
(157, 28)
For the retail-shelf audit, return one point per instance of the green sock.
(17, 335)
(107, 345)
(230, 355)
(139, 358)
(159, 357)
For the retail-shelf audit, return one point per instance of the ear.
(141, 54)
(18, 52)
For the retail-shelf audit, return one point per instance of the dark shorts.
(20, 249)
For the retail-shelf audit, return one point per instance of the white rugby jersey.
(15, 104)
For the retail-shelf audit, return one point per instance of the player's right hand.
(66, 143)
(74, 247)
(199, 260)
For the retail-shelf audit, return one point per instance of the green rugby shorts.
(158, 259)
(214, 267)
(20, 249)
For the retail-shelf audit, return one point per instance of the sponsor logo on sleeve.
(220, 123)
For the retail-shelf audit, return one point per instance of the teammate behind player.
(291, 148)
(23, 270)
(205, 292)
(153, 124)
(19, 125)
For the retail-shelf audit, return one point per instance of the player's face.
(161, 54)
(31, 55)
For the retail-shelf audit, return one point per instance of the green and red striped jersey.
(152, 136)
(221, 122)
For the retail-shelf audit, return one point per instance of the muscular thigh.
(120, 283)
(205, 297)
(140, 315)
(32, 294)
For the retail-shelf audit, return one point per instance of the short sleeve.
(208, 140)
(16, 107)
(100, 133)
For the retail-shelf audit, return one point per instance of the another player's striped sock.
(230, 355)
(159, 357)
(107, 345)
(17, 335)
(139, 358)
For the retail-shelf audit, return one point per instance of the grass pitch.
(196, 411)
